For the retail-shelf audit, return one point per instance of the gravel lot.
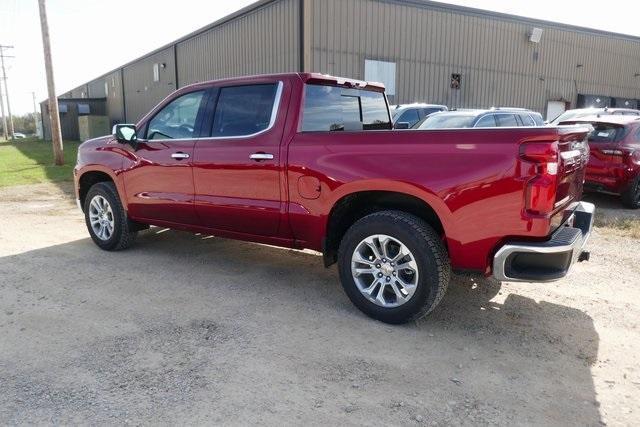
(192, 329)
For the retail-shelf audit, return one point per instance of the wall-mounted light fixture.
(535, 35)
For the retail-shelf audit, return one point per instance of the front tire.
(106, 218)
(393, 266)
(631, 196)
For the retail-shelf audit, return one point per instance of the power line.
(6, 91)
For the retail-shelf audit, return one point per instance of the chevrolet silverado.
(306, 160)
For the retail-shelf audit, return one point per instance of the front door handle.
(179, 155)
(261, 156)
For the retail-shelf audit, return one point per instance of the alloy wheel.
(384, 270)
(101, 218)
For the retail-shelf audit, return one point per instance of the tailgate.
(573, 156)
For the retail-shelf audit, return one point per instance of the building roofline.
(237, 14)
(472, 11)
(426, 4)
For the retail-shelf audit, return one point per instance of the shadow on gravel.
(196, 329)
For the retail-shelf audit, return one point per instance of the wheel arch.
(88, 179)
(353, 206)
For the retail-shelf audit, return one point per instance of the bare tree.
(54, 114)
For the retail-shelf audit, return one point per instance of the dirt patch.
(190, 329)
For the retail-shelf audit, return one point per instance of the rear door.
(159, 186)
(237, 168)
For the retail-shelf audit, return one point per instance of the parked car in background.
(18, 135)
(294, 160)
(405, 116)
(586, 112)
(495, 117)
(614, 161)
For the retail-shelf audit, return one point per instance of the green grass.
(30, 161)
(629, 227)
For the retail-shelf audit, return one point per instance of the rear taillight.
(541, 189)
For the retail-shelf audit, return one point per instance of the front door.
(237, 170)
(159, 186)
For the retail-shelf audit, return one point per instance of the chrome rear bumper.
(549, 260)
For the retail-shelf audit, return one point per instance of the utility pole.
(54, 114)
(6, 88)
(35, 113)
(4, 118)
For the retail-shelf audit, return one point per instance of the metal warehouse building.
(421, 50)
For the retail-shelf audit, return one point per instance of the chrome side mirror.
(125, 134)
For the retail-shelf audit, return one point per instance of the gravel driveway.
(191, 329)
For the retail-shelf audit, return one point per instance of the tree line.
(23, 124)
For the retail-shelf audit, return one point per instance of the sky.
(91, 37)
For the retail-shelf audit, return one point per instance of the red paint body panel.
(473, 179)
(615, 173)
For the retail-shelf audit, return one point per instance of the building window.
(382, 72)
(156, 72)
(83, 109)
(106, 89)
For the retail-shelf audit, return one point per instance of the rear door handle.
(261, 156)
(180, 155)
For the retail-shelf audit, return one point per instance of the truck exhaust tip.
(584, 256)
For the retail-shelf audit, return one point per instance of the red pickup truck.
(307, 160)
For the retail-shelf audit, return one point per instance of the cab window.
(177, 120)
(243, 110)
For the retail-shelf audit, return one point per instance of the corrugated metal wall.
(96, 88)
(265, 40)
(499, 66)
(81, 91)
(115, 100)
(427, 42)
(141, 91)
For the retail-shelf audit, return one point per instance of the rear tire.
(106, 218)
(631, 196)
(385, 284)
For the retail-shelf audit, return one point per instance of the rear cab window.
(335, 108)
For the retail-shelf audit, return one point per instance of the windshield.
(447, 121)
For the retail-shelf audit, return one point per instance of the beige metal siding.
(265, 40)
(115, 102)
(80, 92)
(141, 92)
(493, 54)
(96, 88)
